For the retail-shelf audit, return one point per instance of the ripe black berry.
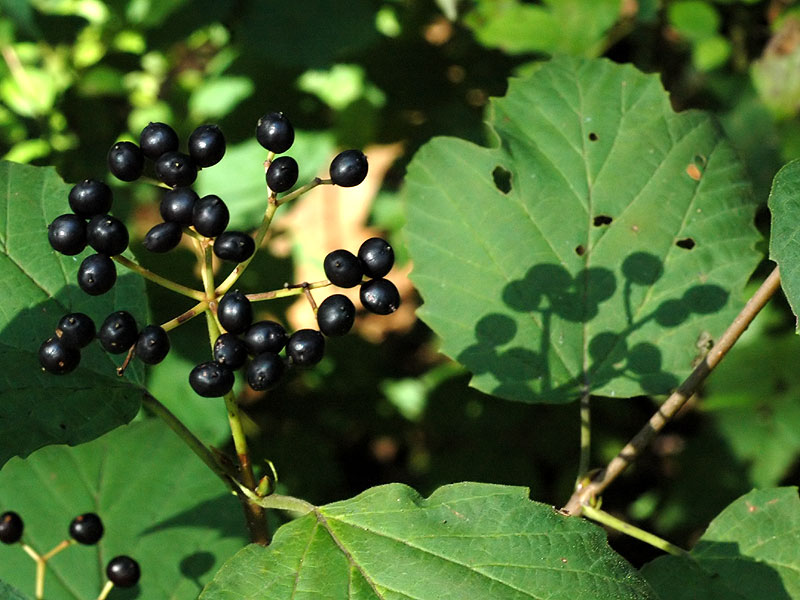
(282, 174)
(11, 527)
(305, 347)
(379, 296)
(211, 379)
(89, 198)
(67, 234)
(207, 145)
(336, 315)
(177, 205)
(234, 312)
(376, 256)
(163, 237)
(125, 161)
(86, 529)
(343, 268)
(210, 216)
(274, 132)
(265, 371)
(57, 357)
(349, 168)
(230, 351)
(176, 169)
(152, 345)
(76, 330)
(118, 332)
(97, 274)
(107, 235)
(123, 571)
(235, 246)
(157, 139)
(265, 336)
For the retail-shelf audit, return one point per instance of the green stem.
(302, 190)
(608, 520)
(289, 290)
(586, 435)
(162, 281)
(196, 310)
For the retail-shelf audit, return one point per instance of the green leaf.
(9, 593)
(594, 247)
(784, 246)
(693, 19)
(218, 97)
(37, 408)
(467, 540)
(158, 502)
(749, 552)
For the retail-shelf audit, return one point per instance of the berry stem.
(155, 278)
(302, 190)
(294, 289)
(106, 590)
(586, 433)
(197, 309)
(63, 545)
(602, 517)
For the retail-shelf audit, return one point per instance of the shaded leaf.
(784, 247)
(9, 593)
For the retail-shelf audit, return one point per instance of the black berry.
(163, 237)
(282, 174)
(211, 379)
(343, 268)
(118, 332)
(234, 312)
(107, 235)
(379, 296)
(207, 145)
(235, 246)
(86, 529)
(274, 132)
(76, 330)
(97, 274)
(210, 216)
(57, 357)
(157, 139)
(176, 169)
(305, 347)
(349, 168)
(11, 527)
(177, 205)
(376, 256)
(125, 161)
(67, 234)
(336, 315)
(230, 351)
(265, 371)
(265, 336)
(123, 571)
(89, 198)
(152, 345)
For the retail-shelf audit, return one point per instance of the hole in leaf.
(502, 179)
(580, 250)
(62, 426)
(602, 220)
(686, 243)
(593, 137)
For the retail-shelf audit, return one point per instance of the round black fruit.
(97, 274)
(234, 312)
(343, 268)
(57, 357)
(176, 169)
(89, 198)
(67, 234)
(210, 216)
(11, 527)
(163, 237)
(157, 139)
(177, 205)
(125, 161)
(282, 174)
(118, 332)
(274, 132)
(207, 145)
(123, 571)
(265, 336)
(349, 168)
(305, 347)
(265, 371)
(230, 351)
(379, 296)
(76, 330)
(107, 235)
(152, 345)
(211, 379)
(235, 246)
(376, 256)
(336, 315)
(86, 529)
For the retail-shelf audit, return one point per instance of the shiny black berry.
(152, 345)
(265, 336)
(177, 205)
(210, 216)
(349, 168)
(265, 371)
(379, 296)
(89, 198)
(67, 234)
(118, 332)
(305, 347)
(107, 235)
(125, 161)
(274, 132)
(176, 169)
(211, 379)
(234, 312)
(343, 268)
(123, 571)
(376, 256)
(230, 351)
(157, 139)
(86, 529)
(163, 237)
(282, 174)
(336, 315)
(11, 527)
(235, 246)
(207, 145)
(57, 357)
(97, 274)
(76, 330)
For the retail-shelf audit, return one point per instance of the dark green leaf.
(9, 593)
(784, 246)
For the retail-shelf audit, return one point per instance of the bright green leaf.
(784, 246)
(218, 97)
(711, 52)
(693, 19)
